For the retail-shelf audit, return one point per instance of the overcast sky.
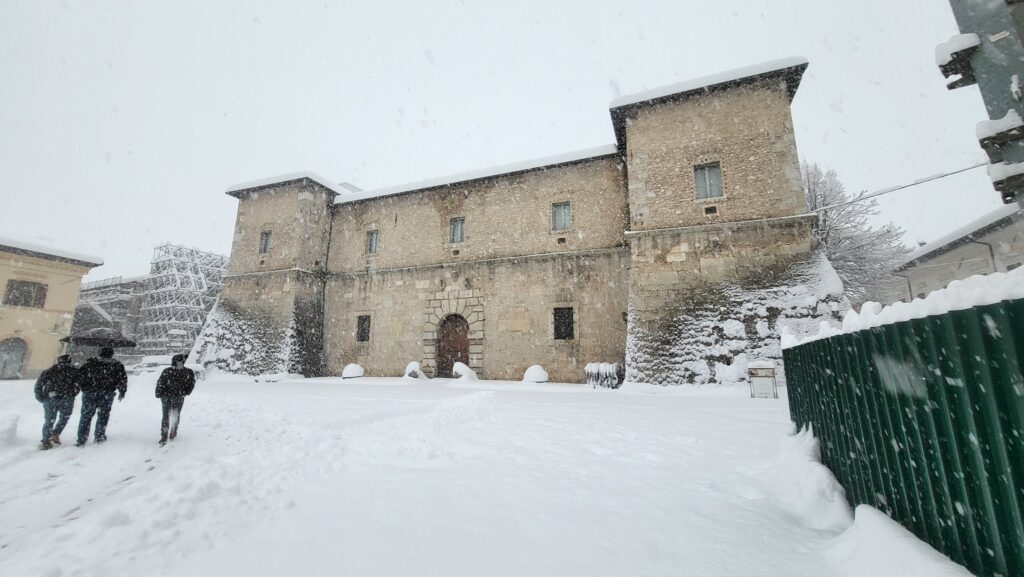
(122, 123)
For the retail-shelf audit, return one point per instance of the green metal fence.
(924, 420)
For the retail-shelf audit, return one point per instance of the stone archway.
(468, 304)
(12, 357)
(452, 344)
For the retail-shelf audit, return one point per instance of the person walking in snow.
(56, 389)
(100, 378)
(175, 383)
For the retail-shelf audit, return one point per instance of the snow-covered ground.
(403, 477)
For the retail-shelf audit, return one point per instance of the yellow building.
(40, 290)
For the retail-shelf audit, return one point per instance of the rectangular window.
(561, 216)
(363, 328)
(564, 324)
(265, 242)
(23, 293)
(371, 241)
(708, 179)
(458, 231)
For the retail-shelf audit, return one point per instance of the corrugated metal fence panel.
(924, 420)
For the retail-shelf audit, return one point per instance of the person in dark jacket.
(56, 388)
(100, 379)
(175, 383)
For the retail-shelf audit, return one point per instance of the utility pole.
(989, 52)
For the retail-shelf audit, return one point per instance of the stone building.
(40, 289)
(557, 262)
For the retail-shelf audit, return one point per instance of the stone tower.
(275, 279)
(716, 209)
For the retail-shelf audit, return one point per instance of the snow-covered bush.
(711, 337)
(464, 373)
(414, 372)
(535, 374)
(233, 342)
(351, 371)
(608, 375)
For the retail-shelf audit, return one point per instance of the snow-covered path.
(385, 477)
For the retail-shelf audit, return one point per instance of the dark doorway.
(12, 357)
(452, 344)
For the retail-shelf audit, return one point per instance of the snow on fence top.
(989, 128)
(975, 291)
(725, 77)
(33, 249)
(484, 173)
(944, 52)
(289, 177)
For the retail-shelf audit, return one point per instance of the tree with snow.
(863, 256)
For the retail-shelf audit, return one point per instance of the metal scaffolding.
(117, 300)
(182, 287)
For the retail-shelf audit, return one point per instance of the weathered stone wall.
(701, 296)
(508, 303)
(748, 130)
(671, 268)
(296, 213)
(507, 216)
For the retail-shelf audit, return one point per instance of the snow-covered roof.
(790, 70)
(49, 253)
(707, 82)
(283, 178)
(481, 174)
(961, 235)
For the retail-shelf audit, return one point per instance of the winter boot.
(45, 445)
(101, 439)
(55, 439)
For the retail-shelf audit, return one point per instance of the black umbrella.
(100, 337)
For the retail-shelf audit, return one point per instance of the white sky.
(122, 123)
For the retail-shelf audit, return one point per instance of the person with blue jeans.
(56, 389)
(100, 378)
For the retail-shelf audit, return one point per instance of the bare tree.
(863, 256)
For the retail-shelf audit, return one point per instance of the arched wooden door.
(12, 357)
(452, 344)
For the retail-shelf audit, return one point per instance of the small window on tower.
(564, 324)
(371, 242)
(363, 328)
(561, 216)
(708, 180)
(265, 242)
(458, 230)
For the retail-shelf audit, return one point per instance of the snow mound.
(805, 487)
(8, 430)
(351, 371)
(944, 52)
(464, 373)
(989, 128)
(535, 374)
(978, 290)
(878, 546)
(414, 372)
